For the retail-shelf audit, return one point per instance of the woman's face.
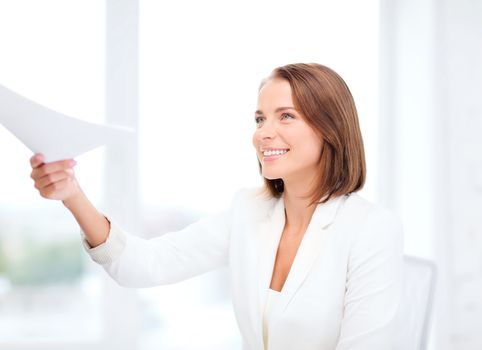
(279, 127)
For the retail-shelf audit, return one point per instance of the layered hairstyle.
(327, 105)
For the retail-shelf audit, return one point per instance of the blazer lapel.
(268, 235)
(310, 247)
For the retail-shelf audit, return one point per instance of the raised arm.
(128, 259)
(57, 181)
(172, 257)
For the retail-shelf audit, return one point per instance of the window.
(200, 67)
(52, 53)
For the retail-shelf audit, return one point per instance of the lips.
(273, 155)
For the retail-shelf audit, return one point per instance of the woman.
(313, 266)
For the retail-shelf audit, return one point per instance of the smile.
(274, 154)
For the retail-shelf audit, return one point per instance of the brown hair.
(324, 100)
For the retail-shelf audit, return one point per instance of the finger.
(52, 188)
(36, 160)
(49, 168)
(51, 178)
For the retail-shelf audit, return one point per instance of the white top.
(271, 301)
(345, 284)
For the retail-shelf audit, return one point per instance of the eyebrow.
(279, 109)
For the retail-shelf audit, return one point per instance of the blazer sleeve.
(374, 284)
(175, 256)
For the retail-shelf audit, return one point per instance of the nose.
(266, 130)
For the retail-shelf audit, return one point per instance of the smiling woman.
(275, 132)
(322, 133)
(314, 265)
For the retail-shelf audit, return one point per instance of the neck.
(298, 212)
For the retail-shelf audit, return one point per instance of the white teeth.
(274, 152)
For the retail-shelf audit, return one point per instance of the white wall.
(460, 89)
(431, 164)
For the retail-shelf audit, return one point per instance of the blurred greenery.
(3, 262)
(42, 262)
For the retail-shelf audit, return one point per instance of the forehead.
(274, 93)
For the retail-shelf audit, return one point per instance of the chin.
(272, 177)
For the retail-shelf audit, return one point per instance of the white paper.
(53, 134)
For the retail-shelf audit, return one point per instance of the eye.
(287, 115)
(257, 120)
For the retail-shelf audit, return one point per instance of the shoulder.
(370, 221)
(368, 212)
(252, 201)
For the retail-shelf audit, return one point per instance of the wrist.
(71, 201)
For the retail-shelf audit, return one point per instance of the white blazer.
(343, 289)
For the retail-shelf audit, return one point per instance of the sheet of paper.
(53, 134)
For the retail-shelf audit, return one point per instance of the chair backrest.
(413, 318)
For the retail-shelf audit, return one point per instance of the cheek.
(316, 146)
(302, 138)
(255, 140)
(311, 144)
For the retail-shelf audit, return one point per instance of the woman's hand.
(55, 180)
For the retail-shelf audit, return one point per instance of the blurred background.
(185, 75)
